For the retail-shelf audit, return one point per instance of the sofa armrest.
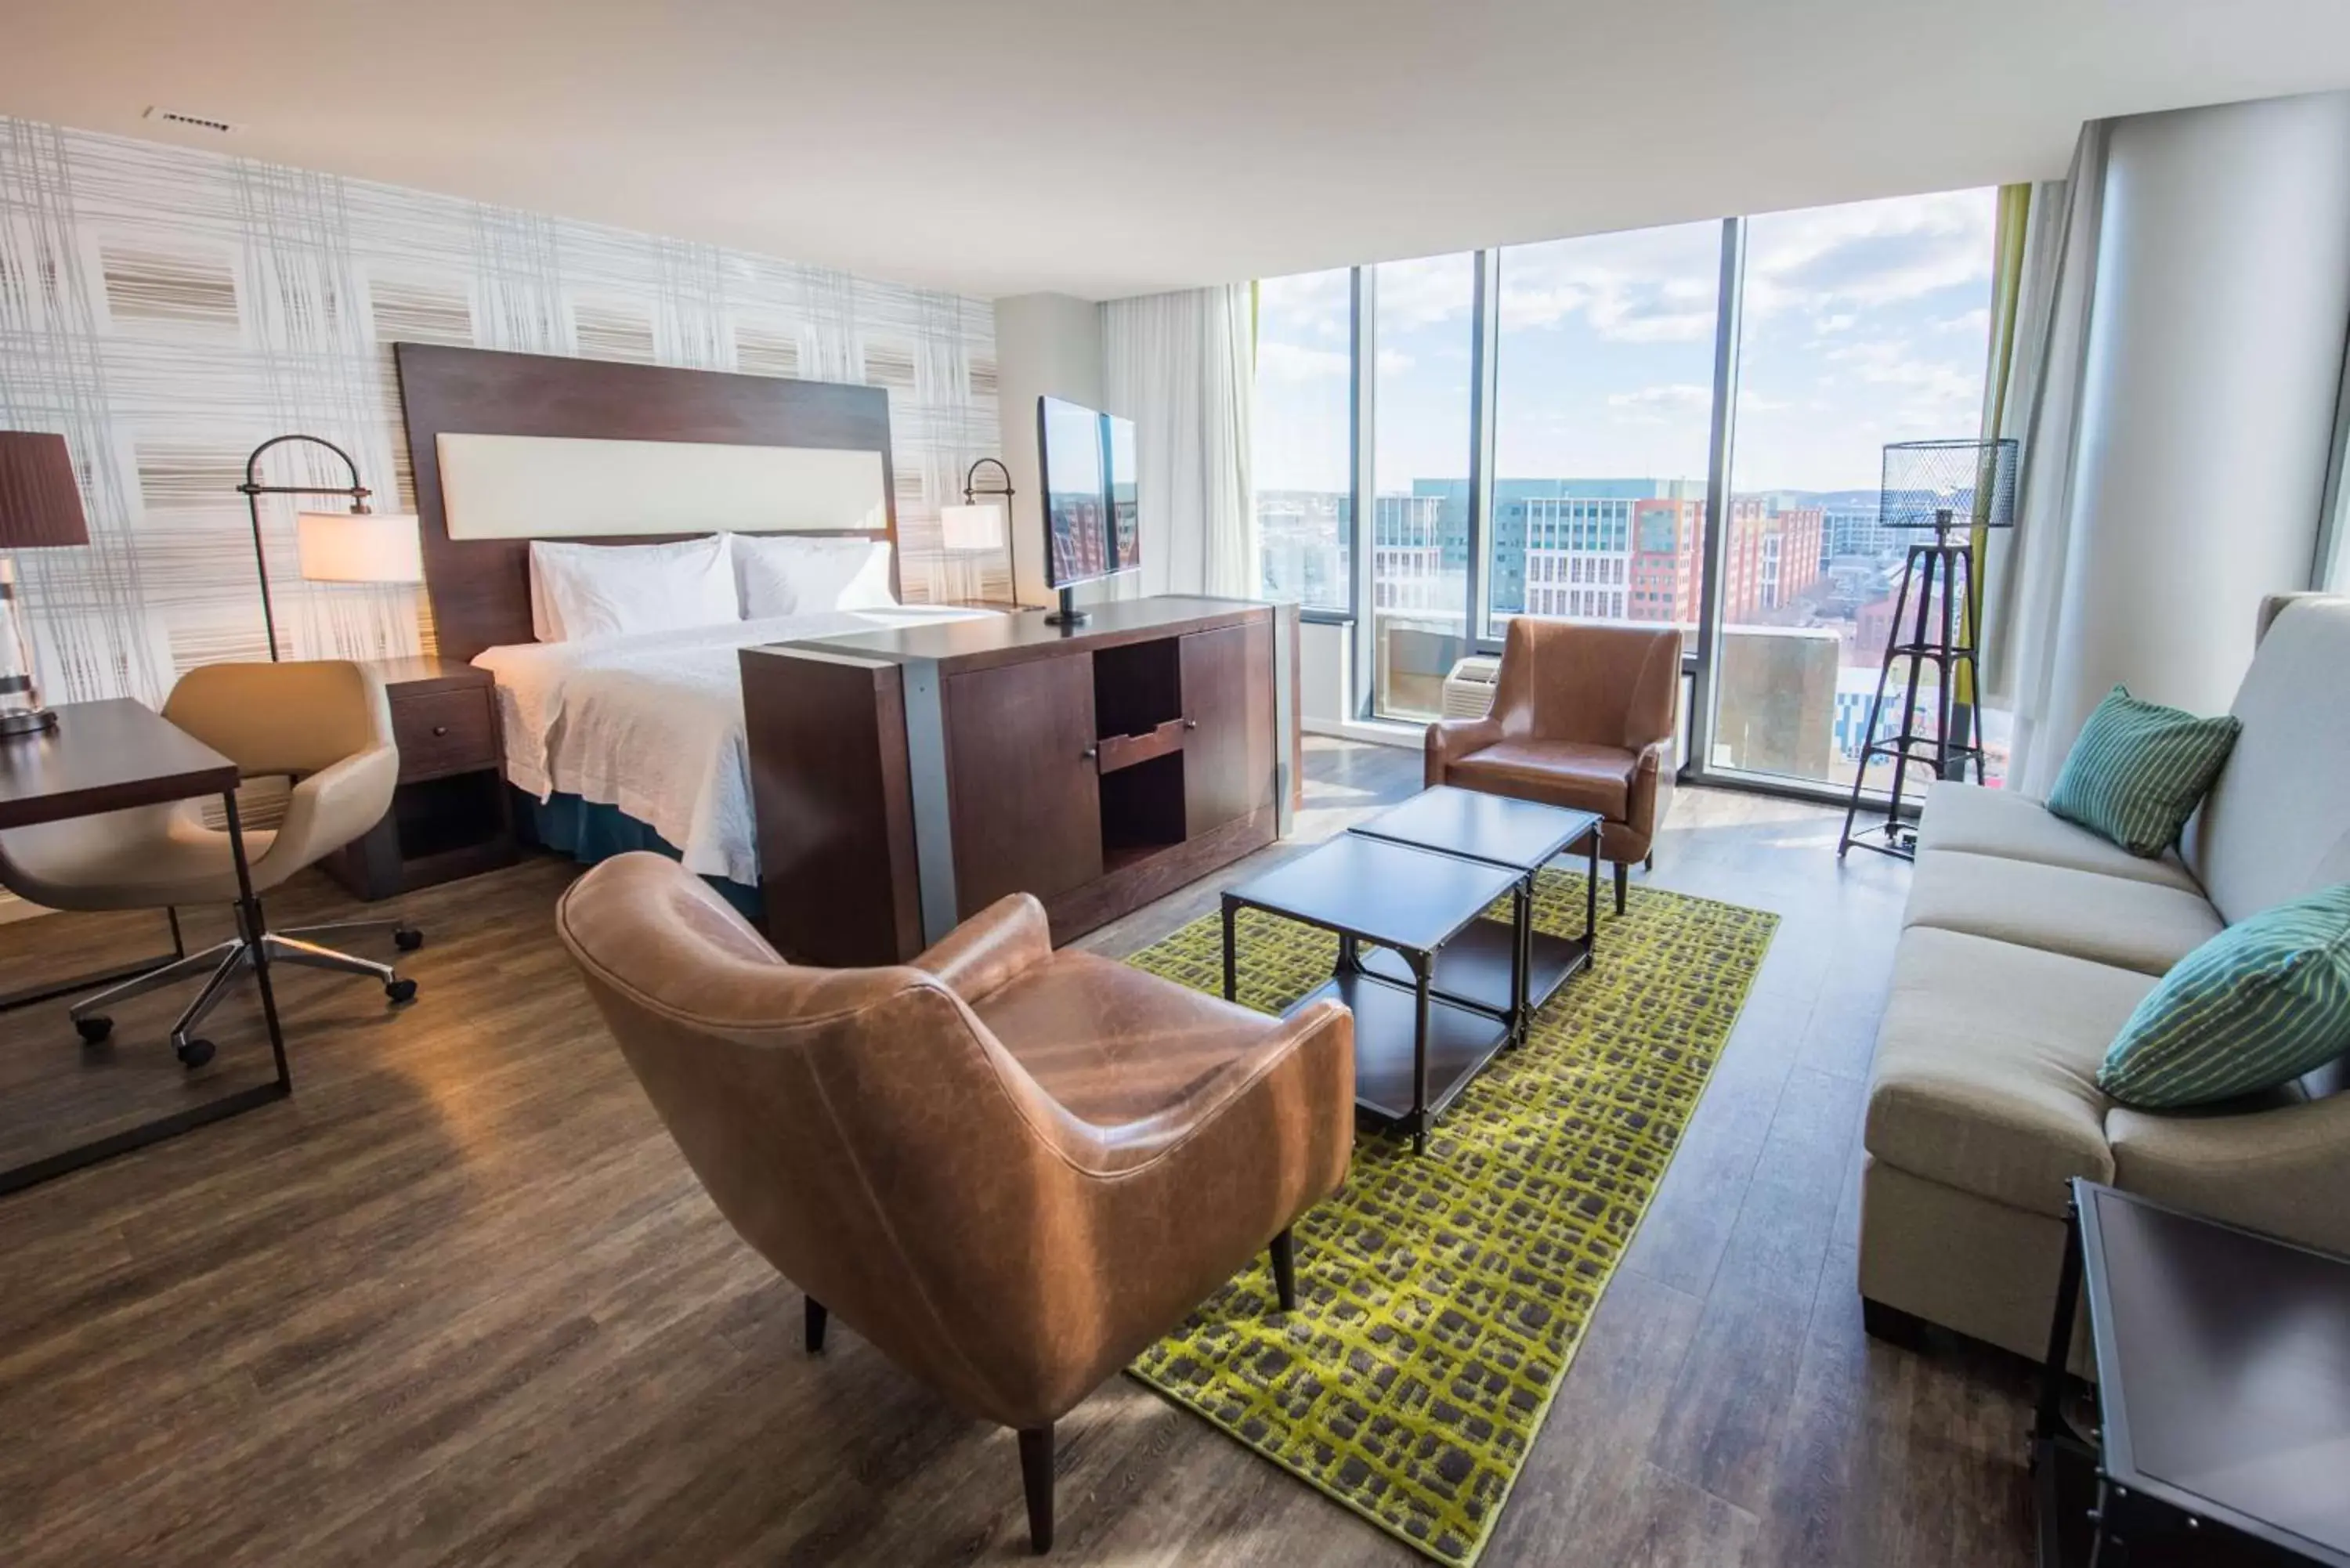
(2284, 1170)
(1652, 789)
(991, 949)
(1449, 740)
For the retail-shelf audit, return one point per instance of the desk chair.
(327, 725)
(1009, 1170)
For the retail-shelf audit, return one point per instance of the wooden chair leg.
(816, 1322)
(1284, 1270)
(1622, 879)
(1650, 863)
(1036, 1476)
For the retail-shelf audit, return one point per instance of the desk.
(105, 756)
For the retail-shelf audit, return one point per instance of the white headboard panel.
(528, 487)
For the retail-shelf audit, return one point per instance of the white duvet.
(653, 723)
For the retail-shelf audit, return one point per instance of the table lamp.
(341, 543)
(40, 508)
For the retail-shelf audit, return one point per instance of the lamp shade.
(971, 527)
(1948, 483)
(359, 548)
(40, 504)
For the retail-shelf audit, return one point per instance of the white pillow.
(597, 590)
(784, 575)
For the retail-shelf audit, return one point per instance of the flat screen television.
(1092, 525)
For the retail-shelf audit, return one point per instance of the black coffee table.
(2223, 1393)
(1414, 1051)
(1511, 969)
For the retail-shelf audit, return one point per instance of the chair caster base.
(399, 990)
(408, 938)
(94, 1029)
(192, 1053)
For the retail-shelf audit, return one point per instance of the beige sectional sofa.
(2026, 943)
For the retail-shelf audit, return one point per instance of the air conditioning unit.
(1469, 690)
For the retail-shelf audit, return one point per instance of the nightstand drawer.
(442, 732)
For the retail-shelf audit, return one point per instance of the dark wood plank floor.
(461, 1302)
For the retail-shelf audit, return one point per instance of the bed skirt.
(588, 832)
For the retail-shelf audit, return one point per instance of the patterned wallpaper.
(170, 309)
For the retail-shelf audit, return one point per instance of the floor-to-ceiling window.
(1860, 325)
(1419, 523)
(1857, 325)
(1302, 447)
(1602, 425)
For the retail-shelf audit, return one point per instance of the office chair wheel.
(407, 939)
(95, 1028)
(399, 990)
(194, 1053)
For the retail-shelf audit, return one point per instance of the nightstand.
(451, 817)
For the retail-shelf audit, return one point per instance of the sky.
(1864, 324)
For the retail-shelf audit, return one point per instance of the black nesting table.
(1509, 969)
(1414, 1051)
(2223, 1393)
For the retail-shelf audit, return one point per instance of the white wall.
(1046, 345)
(2214, 362)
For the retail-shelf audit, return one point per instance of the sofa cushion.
(2277, 825)
(2083, 914)
(1981, 821)
(2255, 1008)
(2139, 770)
(1554, 773)
(1986, 1066)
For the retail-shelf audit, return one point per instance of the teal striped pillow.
(2139, 770)
(2258, 1005)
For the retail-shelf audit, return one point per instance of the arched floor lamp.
(973, 527)
(384, 546)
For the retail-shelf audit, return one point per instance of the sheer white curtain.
(1180, 367)
(2027, 572)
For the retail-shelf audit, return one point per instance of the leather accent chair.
(1009, 1170)
(1581, 717)
(327, 725)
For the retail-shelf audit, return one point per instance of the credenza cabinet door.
(1023, 789)
(1228, 713)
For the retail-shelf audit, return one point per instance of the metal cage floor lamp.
(1950, 486)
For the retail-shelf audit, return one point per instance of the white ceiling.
(1103, 148)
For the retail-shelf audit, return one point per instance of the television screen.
(1091, 526)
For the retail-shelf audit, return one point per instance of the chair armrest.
(329, 809)
(990, 948)
(1449, 740)
(2285, 1170)
(1652, 789)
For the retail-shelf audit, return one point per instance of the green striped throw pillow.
(2139, 770)
(2258, 1005)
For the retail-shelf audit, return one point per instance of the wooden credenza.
(905, 779)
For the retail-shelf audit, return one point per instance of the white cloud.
(1676, 395)
(1278, 361)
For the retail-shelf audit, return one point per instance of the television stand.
(907, 777)
(1068, 614)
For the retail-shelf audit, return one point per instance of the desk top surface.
(104, 756)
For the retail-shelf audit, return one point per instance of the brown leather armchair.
(1008, 1169)
(1581, 717)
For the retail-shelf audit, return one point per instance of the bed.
(631, 740)
(636, 741)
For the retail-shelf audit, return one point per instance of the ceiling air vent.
(192, 122)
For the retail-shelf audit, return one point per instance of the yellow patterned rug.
(1441, 1299)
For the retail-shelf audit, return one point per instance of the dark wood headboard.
(480, 588)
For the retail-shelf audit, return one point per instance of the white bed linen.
(653, 723)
